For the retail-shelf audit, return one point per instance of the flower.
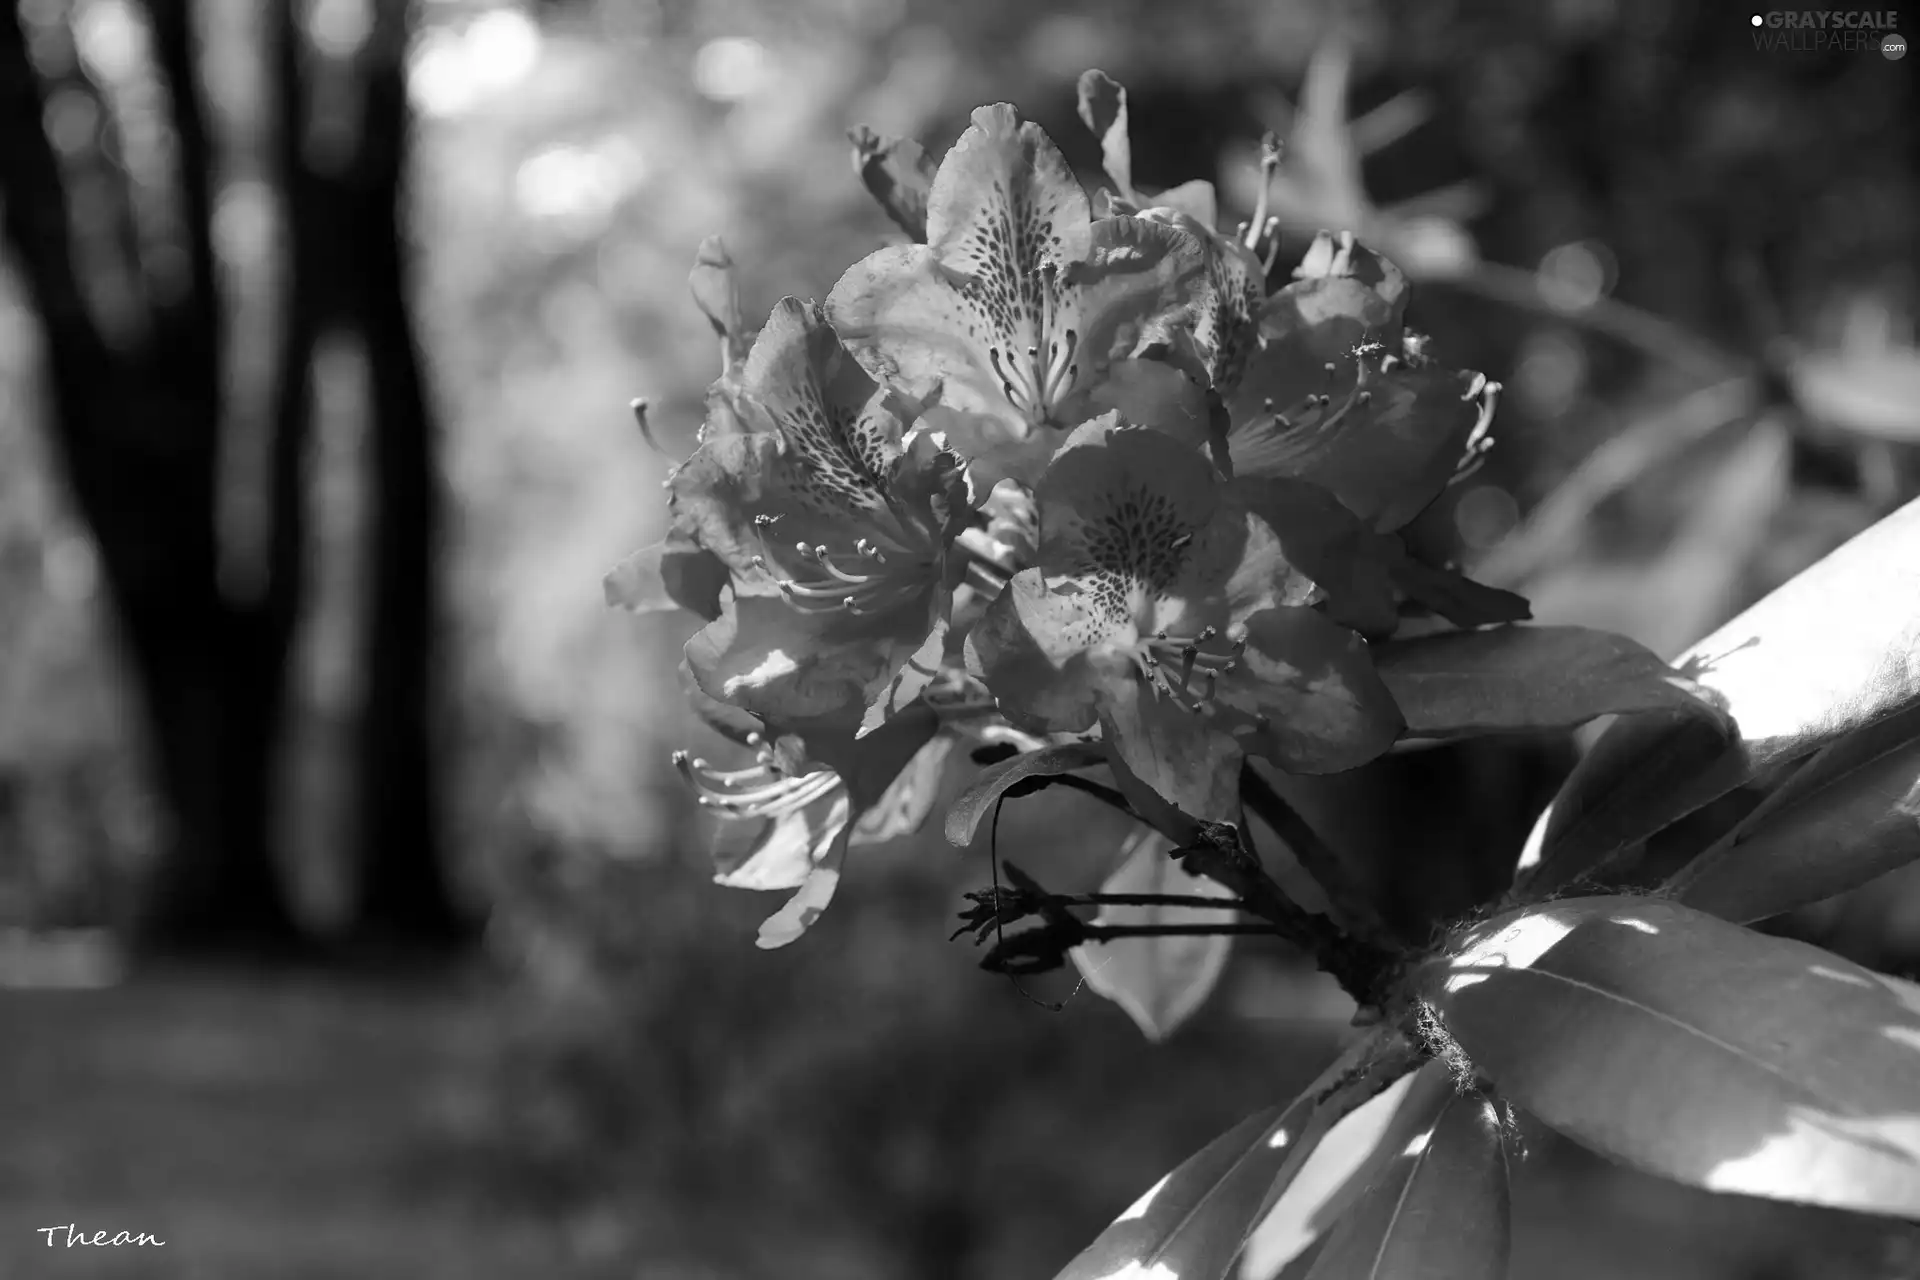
(1021, 315)
(1339, 394)
(1175, 610)
(812, 792)
(835, 520)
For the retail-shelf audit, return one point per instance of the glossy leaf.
(1160, 982)
(1192, 1223)
(1850, 814)
(1438, 1211)
(1342, 1167)
(1694, 1049)
(1834, 650)
(963, 818)
(1524, 678)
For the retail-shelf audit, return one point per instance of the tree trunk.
(405, 894)
(136, 432)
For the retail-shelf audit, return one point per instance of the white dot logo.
(1758, 20)
(1894, 46)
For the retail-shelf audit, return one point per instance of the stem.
(1107, 933)
(1362, 966)
(1148, 900)
(1351, 906)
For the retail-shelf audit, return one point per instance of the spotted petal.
(1010, 317)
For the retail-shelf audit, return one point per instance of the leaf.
(1694, 1049)
(1458, 599)
(1439, 1211)
(1192, 1223)
(963, 818)
(1834, 650)
(898, 174)
(1160, 982)
(1342, 1167)
(1849, 815)
(1103, 109)
(1524, 678)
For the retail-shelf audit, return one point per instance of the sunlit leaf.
(1342, 1167)
(1160, 982)
(1834, 650)
(1850, 814)
(1523, 678)
(1694, 1049)
(1438, 1211)
(963, 818)
(1192, 1223)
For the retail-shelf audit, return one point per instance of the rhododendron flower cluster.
(1062, 469)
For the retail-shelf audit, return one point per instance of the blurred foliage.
(869, 1095)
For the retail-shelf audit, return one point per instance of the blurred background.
(352, 921)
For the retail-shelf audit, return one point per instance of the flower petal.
(1180, 756)
(898, 174)
(1307, 695)
(842, 434)
(1032, 649)
(1004, 203)
(1385, 435)
(805, 907)
(1123, 503)
(1349, 563)
(909, 801)
(675, 573)
(1103, 109)
(783, 665)
(920, 669)
(1139, 283)
(785, 851)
